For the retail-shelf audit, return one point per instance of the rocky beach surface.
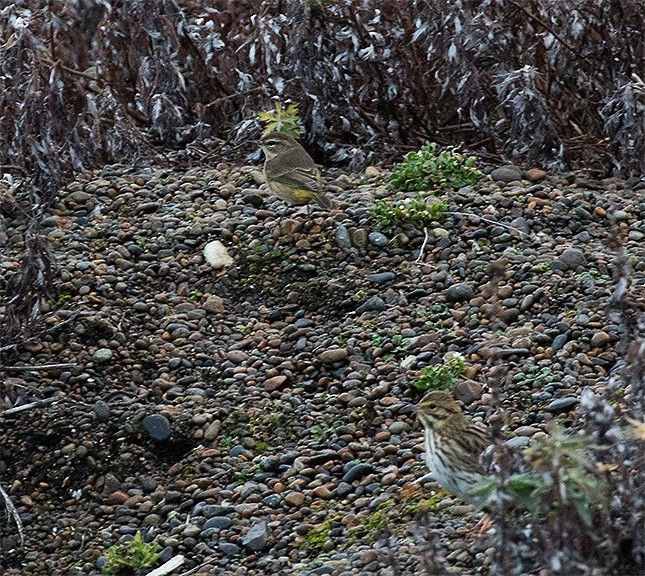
(254, 413)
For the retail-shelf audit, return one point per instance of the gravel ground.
(256, 417)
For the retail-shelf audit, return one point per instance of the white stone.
(216, 255)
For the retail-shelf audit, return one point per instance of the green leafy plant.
(131, 556)
(534, 377)
(416, 212)
(281, 119)
(434, 317)
(561, 478)
(441, 377)
(562, 462)
(429, 168)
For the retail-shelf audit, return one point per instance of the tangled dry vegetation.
(86, 82)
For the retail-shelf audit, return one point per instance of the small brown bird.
(290, 172)
(453, 445)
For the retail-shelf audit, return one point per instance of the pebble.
(102, 355)
(356, 471)
(381, 277)
(343, 239)
(600, 339)
(373, 304)
(378, 239)
(535, 174)
(459, 292)
(572, 258)
(216, 254)
(157, 426)
(256, 538)
(101, 411)
(562, 404)
(274, 383)
(467, 391)
(507, 173)
(334, 355)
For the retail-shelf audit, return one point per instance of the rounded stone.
(157, 426)
(507, 173)
(377, 239)
(600, 339)
(101, 411)
(102, 355)
(373, 304)
(459, 292)
(562, 404)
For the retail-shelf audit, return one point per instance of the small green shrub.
(416, 212)
(129, 557)
(561, 479)
(428, 168)
(281, 119)
(441, 377)
(534, 377)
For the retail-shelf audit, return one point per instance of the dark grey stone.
(157, 426)
(373, 304)
(508, 173)
(380, 277)
(218, 522)
(211, 510)
(559, 341)
(229, 548)
(460, 292)
(572, 258)
(562, 404)
(343, 489)
(378, 239)
(101, 410)
(356, 472)
(256, 538)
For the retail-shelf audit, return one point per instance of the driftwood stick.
(502, 224)
(22, 408)
(13, 513)
(37, 368)
(423, 246)
(167, 567)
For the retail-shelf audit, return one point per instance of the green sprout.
(131, 556)
(416, 212)
(281, 119)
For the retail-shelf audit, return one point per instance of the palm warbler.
(290, 172)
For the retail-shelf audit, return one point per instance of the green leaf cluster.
(429, 168)
(415, 212)
(131, 556)
(560, 477)
(441, 377)
(281, 119)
